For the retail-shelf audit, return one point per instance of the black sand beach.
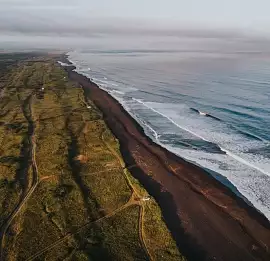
(207, 220)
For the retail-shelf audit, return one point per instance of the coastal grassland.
(79, 202)
(14, 143)
(7, 60)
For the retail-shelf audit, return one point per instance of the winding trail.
(141, 232)
(122, 164)
(35, 181)
(131, 201)
(135, 192)
(59, 241)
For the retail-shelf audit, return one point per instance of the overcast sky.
(29, 21)
(39, 15)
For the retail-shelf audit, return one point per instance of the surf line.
(172, 121)
(243, 161)
(151, 129)
(156, 135)
(239, 159)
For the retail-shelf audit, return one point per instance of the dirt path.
(132, 201)
(135, 192)
(122, 164)
(141, 231)
(32, 188)
(59, 241)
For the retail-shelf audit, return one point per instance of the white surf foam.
(248, 172)
(64, 64)
(231, 154)
(251, 180)
(156, 135)
(250, 184)
(119, 92)
(202, 113)
(172, 121)
(244, 161)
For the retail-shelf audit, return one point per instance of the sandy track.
(19, 206)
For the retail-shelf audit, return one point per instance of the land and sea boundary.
(207, 220)
(80, 180)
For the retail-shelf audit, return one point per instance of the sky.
(233, 14)
(86, 18)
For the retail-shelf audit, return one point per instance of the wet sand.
(208, 221)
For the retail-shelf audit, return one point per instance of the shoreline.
(219, 177)
(207, 220)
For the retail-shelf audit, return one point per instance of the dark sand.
(207, 220)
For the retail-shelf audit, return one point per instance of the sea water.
(208, 106)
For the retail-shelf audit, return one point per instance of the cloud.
(76, 18)
(66, 21)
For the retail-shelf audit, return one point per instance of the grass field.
(64, 191)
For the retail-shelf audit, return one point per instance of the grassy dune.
(61, 166)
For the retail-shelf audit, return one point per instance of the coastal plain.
(66, 192)
(80, 180)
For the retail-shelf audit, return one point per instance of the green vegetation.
(64, 191)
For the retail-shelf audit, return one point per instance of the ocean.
(209, 105)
